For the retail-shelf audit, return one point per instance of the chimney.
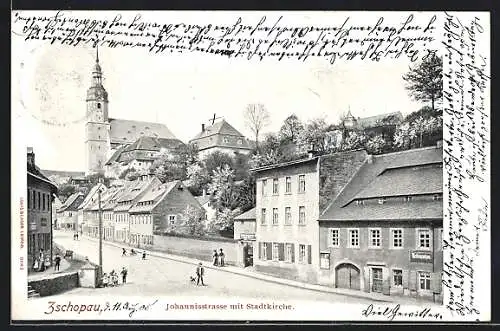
(204, 192)
(369, 159)
(202, 127)
(31, 156)
(439, 144)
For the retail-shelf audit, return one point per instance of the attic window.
(408, 198)
(381, 201)
(99, 105)
(180, 188)
(436, 197)
(360, 202)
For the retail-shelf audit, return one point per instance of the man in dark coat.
(200, 271)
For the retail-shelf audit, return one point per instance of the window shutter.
(281, 251)
(293, 253)
(309, 254)
(413, 280)
(367, 278)
(406, 278)
(260, 251)
(269, 251)
(436, 282)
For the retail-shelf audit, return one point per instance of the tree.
(405, 134)
(193, 221)
(376, 145)
(197, 178)
(216, 160)
(222, 189)
(65, 190)
(223, 222)
(354, 140)
(256, 118)
(425, 81)
(313, 136)
(291, 129)
(171, 165)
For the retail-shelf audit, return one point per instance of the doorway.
(377, 280)
(347, 276)
(248, 254)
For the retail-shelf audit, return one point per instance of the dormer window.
(436, 197)
(240, 141)
(408, 198)
(360, 202)
(381, 201)
(226, 140)
(147, 127)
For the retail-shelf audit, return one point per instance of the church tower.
(97, 127)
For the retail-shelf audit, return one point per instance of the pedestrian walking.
(76, 234)
(144, 255)
(124, 275)
(124, 252)
(200, 272)
(57, 261)
(105, 280)
(41, 260)
(221, 258)
(216, 258)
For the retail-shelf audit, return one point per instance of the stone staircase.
(32, 293)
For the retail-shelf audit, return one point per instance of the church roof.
(154, 144)
(377, 120)
(127, 131)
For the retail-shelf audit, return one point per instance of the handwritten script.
(266, 37)
(466, 165)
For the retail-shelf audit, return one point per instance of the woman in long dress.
(215, 257)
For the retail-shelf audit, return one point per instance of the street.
(159, 276)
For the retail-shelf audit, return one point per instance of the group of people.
(133, 252)
(41, 262)
(111, 279)
(218, 258)
(75, 236)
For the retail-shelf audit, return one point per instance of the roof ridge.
(407, 151)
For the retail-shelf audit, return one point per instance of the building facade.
(40, 195)
(67, 214)
(289, 198)
(383, 232)
(244, 232)
(86, 219)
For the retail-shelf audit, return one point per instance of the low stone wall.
(55, 285)
(196, 248)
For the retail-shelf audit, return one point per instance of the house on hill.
(383, 232)
(222, 137)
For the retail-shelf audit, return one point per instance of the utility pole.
(100, 229)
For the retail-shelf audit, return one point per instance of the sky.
(184, 91)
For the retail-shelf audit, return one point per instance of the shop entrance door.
(248, 254)
(377, 280)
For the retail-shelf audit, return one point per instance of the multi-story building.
(132, 193)
(67, 214)
(163, 208)
(222, 137)
(289, 199)
(383, 232)
(86, 219)
(106, 208)
(56, 204)
(40, 195)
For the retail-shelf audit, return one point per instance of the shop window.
(275, 251)
(424, 280)
(302, 253)
(288, 252)
(263, 252)
(324, 260)
(397, 277)
(397, 238)
(334, 238)
(354, 238)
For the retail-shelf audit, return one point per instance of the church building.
(105, 135)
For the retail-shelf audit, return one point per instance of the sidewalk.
(49, 272)
(253, 274)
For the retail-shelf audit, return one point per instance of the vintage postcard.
(250, 166)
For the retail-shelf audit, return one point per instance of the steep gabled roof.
(388, 175)
(220, 127)
(154, 194)
(72, 202)
(203, 199)
(88, 198)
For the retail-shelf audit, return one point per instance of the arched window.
(99, 105)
